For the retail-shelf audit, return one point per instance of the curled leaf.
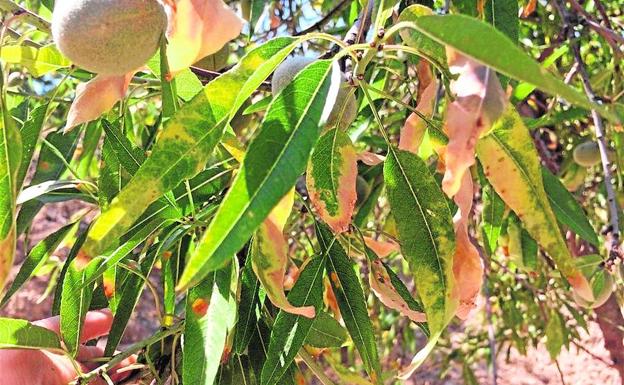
(480, 100)
(96, 97)
(467, 264)
(269, 257)
(384, 290)
(198, 28)
(331, 179)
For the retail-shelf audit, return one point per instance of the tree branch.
(614, 221)
(326, 19)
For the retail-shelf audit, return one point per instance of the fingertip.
(97, 324)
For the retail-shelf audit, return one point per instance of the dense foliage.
(324, 191)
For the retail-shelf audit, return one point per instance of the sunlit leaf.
(21, 334)
(276, 157)
(186, 142)
(511, 164)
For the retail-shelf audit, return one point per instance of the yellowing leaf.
(269, 257)
(511, 164)
(382, 287)
(480, 100)
(331, 179)
(96, 97)
(198, 28)
(467, 265)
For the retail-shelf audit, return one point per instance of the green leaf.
(331, 179)
(210, 315)
(415, 39)
(237, 371)
(511, 164)
(503, 15)
(75, 301)
(491, 216)
(554, 334)
(249, 307)
(73, 253)
(567, 209)
(186, 142)
(326, 332)
(10, 158)
(30, 137)
(38, 61)
(351, 300)
(274, 160)
(37, 256)
(289, 330)
(127, 301)
(21, 334)
(425, 230)
(491, 47)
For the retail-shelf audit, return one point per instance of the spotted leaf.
(511, 164)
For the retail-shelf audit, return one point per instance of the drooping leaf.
(36, 258)
(188, 138)
(10, 158)
(482, 42)
(554, 334)
(467, 265)
(275, 159)
(21, 334)
(269, 257)
(326, 332)
(210, 315)
(382, 285)
(566, 208)
(511, 164)
(290, 331)
(426, 235)
(331, 178)
(75, 301)
(351, 300)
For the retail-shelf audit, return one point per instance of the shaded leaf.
(567, 209)
(210, 315)
(351, 300)
(289, 330)
(326, 332)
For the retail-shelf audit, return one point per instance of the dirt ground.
(578, 367)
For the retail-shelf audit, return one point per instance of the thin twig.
(326, 19)
(31, 18)
(614, 222)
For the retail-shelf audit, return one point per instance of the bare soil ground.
(577, 366)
